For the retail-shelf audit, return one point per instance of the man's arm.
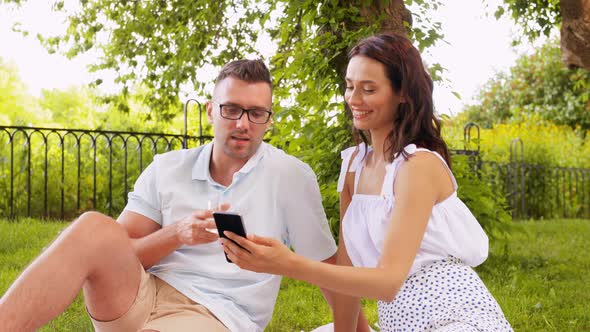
(152, 242)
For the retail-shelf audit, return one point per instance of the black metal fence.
(539, 191)
(533, 190)
(59, 173)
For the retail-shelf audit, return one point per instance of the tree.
(75, 105)
(17, 106)
(538, 86)
(540, 17)
(160, 45)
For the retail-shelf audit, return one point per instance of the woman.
(406, 237)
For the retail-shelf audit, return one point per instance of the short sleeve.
(308, 231)
(144, 198)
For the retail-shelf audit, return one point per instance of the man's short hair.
(252, 71)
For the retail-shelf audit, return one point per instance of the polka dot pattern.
(444, 296)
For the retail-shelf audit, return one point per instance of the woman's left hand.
(261, 254)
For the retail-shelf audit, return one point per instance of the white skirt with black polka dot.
(444, 296)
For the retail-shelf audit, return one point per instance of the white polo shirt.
(277, 196)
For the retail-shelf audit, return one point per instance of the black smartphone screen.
(227, 221)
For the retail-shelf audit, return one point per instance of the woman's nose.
(353, 98)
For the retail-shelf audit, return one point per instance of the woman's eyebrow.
(362, 81)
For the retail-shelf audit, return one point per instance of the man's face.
(239, 139)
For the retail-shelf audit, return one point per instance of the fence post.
(185, 114)
(467, 141)
(516, 164)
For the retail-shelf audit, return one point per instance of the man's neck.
(223, 167)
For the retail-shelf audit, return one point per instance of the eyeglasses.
(233, 112)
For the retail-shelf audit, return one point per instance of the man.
(165, 229)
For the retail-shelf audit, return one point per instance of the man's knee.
(98, 228)
(93, 217)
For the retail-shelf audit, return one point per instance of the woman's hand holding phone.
(231, 222)
(259, 254)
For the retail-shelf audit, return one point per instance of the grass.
(541, 281)
(539, 277)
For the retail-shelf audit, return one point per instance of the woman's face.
(369, 94)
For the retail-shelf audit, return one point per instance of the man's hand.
(193, 229)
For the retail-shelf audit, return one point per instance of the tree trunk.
(575, 33)
(396, 12)
(398, 16)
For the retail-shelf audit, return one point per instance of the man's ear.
(209, 106)
(269, 124)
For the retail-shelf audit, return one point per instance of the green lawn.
(539, 277)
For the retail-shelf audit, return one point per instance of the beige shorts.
(159, 306)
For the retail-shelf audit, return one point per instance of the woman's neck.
(379, 142)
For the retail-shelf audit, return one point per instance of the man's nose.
(243, 122)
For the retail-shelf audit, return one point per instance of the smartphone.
(227, 221)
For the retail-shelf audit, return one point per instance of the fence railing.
(59, 173)
(537, 191)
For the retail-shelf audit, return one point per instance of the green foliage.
(538, 86)
(17, 107)
(161, 45)
(529, 171)
(156, 43)
(73, 105)
(77, 108)
(535, 17)
(426, 31)
(544, 142)
(81, 108)
(486, 202)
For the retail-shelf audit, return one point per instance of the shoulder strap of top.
(355, 165)
(357, 176)
(391, 169)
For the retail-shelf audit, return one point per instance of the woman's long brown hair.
(414, 121)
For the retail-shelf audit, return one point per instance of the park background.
(520, 138)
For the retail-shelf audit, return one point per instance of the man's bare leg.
(93, 253)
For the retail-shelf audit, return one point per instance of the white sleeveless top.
(452, 230)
